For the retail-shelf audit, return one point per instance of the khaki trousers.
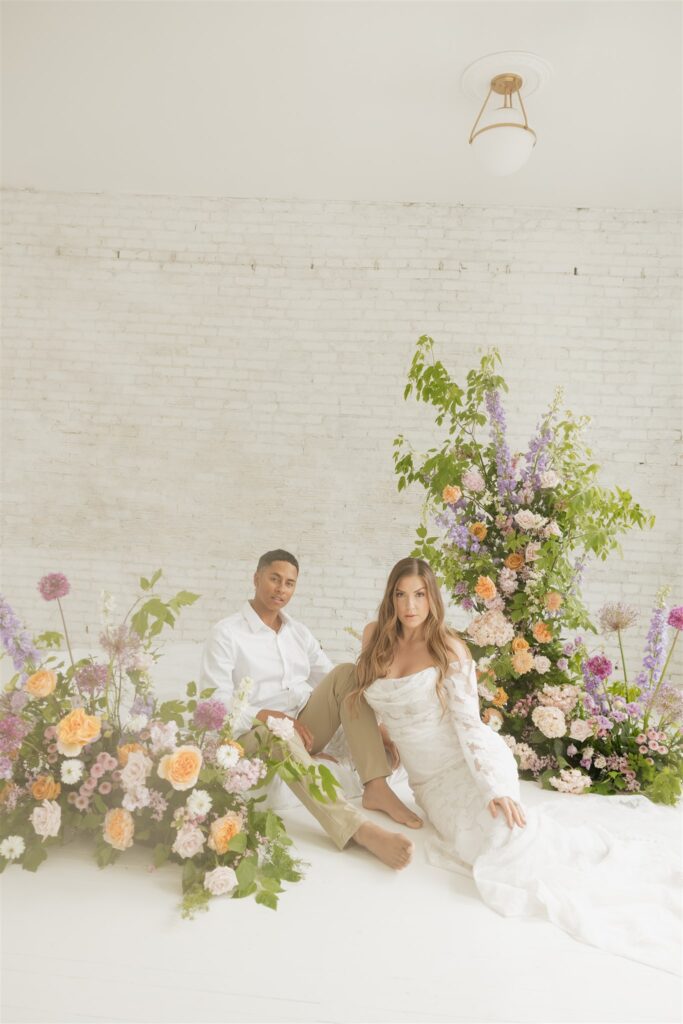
(326, 710)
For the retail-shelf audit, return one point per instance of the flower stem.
(660, 680)
(623, 664)
(66, 634)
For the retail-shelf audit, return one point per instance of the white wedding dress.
(616, 887)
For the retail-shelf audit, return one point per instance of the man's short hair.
(278, 555)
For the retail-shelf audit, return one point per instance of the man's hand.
(305, 734)
(514, 815)
(390, 747)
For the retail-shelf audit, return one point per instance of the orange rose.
(222, 830)
(181, 768)
(41, 684)
(45, 788)
(7, 791)
(553, 601)
(519, 644)
(541, 633)
(485, 588)
(75, 730)
(128, 748)
(500, 697)
(478, 530)
(451, 494)
(514, 561)
(119, 828)
(522, 662)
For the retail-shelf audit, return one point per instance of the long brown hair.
(378, 654)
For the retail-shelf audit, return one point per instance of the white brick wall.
(187, 382)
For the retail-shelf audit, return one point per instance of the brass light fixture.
(501, 136)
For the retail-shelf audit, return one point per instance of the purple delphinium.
(537, 458)
(91, 678)
(53, 586)
(457, 532)
(595, 671)
(15, 639)
(504, 470)
(654, 653)
(209, 715)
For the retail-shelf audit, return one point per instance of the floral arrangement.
(86, 749)
(509, 536)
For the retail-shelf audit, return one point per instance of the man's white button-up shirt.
(284, 665)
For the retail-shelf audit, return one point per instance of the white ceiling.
(337, 100)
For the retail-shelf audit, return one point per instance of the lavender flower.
(537, 458)
(15, 639)
(121, 643)
(91, 678)
(504, 469)
(209, 715)
(13, 731)
(244, 775)
(655, 649)
(53, 586)
(5, 768)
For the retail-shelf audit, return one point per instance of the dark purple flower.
(504, 469)
(53, 586)
(599, 666)
(210, 714)
(91, 678)
(676, 617)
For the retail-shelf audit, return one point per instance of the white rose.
(47, 819)
(541, 664)
(227, 756)
(189, 842)
(199, 802)
(549, 479)
(580, 730)
(283, 728)
(220, 881)
(600, 761)
(552, 529)
(532, 550)
(135, 771)
(71, 771)
(550, 721)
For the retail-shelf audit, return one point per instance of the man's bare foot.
(378, 796)
(391, 847)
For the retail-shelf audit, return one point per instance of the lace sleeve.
(488, 758)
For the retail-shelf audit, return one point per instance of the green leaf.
(238, 843)
(267, 899)
(160, 854)
(34, 857)
(191, 689)
(246, 871)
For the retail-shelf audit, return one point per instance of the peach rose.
(514, 561)
(76, 730)
(519, 644)
(478, 531)
(522, 662)
(485, 588)
(222, 830)
(41, 684)
(124, 751)
(451, 494)
(500, 697)
(181, 768)
(541, 633)
(119, 828)
(553, 601)
(45, 788)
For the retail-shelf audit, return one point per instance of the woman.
(616, 893)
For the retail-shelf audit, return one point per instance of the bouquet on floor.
(86, 748)
(509, 536)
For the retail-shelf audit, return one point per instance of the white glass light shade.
(502, 150)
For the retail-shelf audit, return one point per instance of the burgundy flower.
(599, 666)
(210, 715)
(676, 617)
(53, 586)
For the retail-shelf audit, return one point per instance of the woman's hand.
(514, 814)
(390, 747)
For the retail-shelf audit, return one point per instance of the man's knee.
(345, 679)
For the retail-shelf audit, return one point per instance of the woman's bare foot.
(378, 796)
(391, 847)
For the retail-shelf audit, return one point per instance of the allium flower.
(669, 702)
(210, 715)
(599, 666)
(675, 618)
(571, 780)
(199, 803)
(616, 617)
(12, 847)
(91, 678)
(47, 819)
(121, 643)
(220, 881)
(71, 771)
(550, 721)
(53, 586)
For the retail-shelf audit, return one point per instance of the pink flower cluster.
(101, 766)
(244, 775)
(652, 741)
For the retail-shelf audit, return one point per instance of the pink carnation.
(53, 586)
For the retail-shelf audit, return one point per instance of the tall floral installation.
(86, 749)
(510, 536)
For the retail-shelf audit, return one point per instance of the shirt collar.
(256, 623)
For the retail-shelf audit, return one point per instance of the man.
(285, 662)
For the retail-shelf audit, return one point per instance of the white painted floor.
(353, 942)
